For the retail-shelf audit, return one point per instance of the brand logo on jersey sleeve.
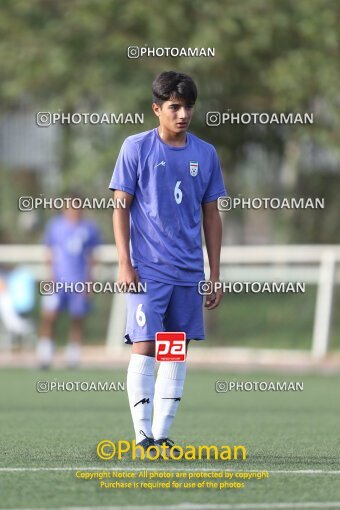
(193, 168)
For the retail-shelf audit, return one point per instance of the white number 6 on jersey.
(140, 316)
(178, 193)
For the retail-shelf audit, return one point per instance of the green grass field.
(284, 433)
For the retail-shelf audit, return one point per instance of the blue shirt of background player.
(71, 243)
(169, 184)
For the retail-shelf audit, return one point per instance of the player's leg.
(184, 314)
(168, 394)
(78, 306)
(74, 347)
(144, 348)
(45, 346)
(140, 385)
(144, 319)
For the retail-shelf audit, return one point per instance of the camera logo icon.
(133, 52)
(25, 203)
(213, 118)
(224, 203)
(42, 386)
(221, 386)
(46, 288)
(205, 288)
(44, 119)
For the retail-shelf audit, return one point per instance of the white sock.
(141, 387)
(45, 351)
(168, 393)
(73, 354)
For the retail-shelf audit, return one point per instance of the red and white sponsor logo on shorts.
(170, 346)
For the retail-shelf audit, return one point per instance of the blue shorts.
(164, 307)
(75, 304)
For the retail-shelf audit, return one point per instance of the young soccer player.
(167, 176)
(71, 240)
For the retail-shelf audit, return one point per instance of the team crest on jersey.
(193, 168)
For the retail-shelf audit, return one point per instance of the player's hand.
(127, 275)
(213, 300)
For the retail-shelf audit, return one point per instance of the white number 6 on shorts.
(140, 316)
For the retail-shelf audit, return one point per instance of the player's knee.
(49, 318)
(144, 348)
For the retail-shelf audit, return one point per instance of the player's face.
(174, 115)
(72, 214)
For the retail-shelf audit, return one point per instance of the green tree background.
(271, 56)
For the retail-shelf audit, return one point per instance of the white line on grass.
(164, 468)
(192, 506)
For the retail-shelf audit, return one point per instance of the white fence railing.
(313, 264)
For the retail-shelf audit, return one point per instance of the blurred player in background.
(168, 177)
(71, 240)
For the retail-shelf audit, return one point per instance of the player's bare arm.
(212, 226)
(121, 230)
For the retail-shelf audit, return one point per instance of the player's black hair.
(170, 84)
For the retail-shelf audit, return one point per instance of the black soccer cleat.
(145, 444)
(169, 444)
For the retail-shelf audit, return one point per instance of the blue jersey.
(71, 244)
(169, 185)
